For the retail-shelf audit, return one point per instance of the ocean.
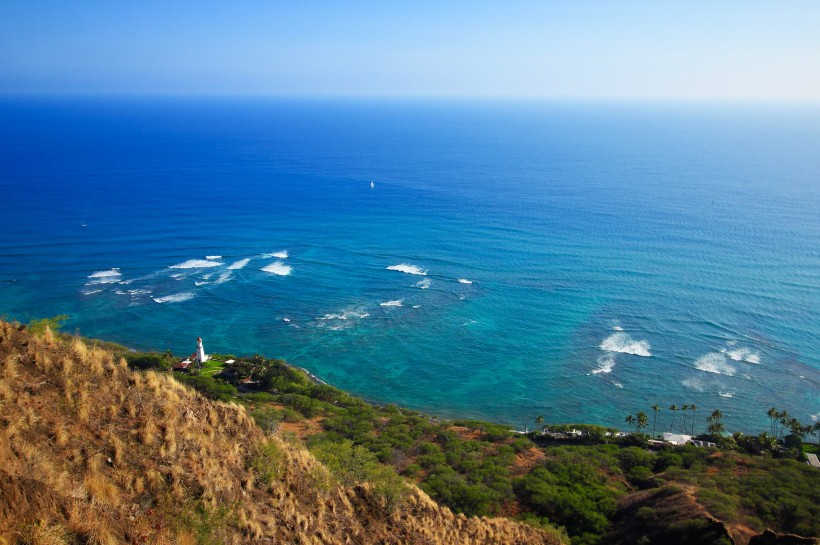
(472, 259)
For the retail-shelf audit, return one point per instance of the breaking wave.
(396, 303)
(213, 257)
(175, 298)
(605, 364)
(424, 283)
(744, 354)
(104, 277)
(694, 383)
(408, 269)
(278, 255)
(622, 342)
(345, 315)
(238, 264)
(464, 281)
(277, 267)
(715, 362)
(196, 264)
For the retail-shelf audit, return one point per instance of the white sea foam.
(213, 257)
(197, 284)
(277, 267)
(408, 269)
(694, 383)
(606, 363)
(196, 264)
(424, 283)
(224, 277)
(622, 342)
(815, 417)
(726, 394)
(617, 384)
(744, 354)
(137, 293)
(175, 298)
(286, 319)
(416, 306)
(120, 292)
(91, 292)
(396, 303)
(465, 281)
(104, 277)
(345, 315)
(278, 255)
(715, 362)
(239, 264)
(617, 328)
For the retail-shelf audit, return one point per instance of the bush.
(267, 463)
(209, 387)
(154, 360)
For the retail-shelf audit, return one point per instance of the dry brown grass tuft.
(44, 533)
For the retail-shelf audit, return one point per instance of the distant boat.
(372, 185)
(83, 224)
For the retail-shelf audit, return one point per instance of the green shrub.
(267, 462)
(153, 360)
(209, 387)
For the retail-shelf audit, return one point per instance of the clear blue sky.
(595, 49)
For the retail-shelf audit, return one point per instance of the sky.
(740, 50)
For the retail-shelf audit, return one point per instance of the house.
(676, 438)
(705, 444)
(813, 461)
(182, 366)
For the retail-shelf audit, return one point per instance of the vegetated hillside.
(92, 452)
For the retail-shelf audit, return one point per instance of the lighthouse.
(200, 357)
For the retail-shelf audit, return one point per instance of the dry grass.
(91, 452)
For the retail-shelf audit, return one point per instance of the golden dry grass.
(92, 452)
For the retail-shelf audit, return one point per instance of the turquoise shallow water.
(618, 255)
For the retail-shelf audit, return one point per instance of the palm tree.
(694, 409)
(539, 421)
(674, 409)
(816, 429)
(684, 408)
(783, 417)
(641, 420)
(715, 425)
(655, 408)
(630, 420)
(772, 415)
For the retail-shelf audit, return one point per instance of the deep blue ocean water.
(618, 255)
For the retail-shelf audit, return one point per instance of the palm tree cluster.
(780, 421)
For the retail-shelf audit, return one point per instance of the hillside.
(93, 452)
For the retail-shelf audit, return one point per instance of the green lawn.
(212, 367)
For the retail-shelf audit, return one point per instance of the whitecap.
(424, 283)
(408, 269)
(197, 284)
(212, 257)
(622, 342)
(120, 292)
(137, 293)
(606, 363)
(278, 255)
(279, 268)
(286, 319)
(224, 277)
(396, 303)
(464, 281)
(726, 394)
(617, 384)
(175, 298)
(91, 292)
(715, 362)
(815, 417)
(617, 328)
(416, 306)
(744, 354)
(104, 277)
(196, 264)
(239, 264)
(345, 315)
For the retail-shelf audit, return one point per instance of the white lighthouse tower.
(200, 357)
